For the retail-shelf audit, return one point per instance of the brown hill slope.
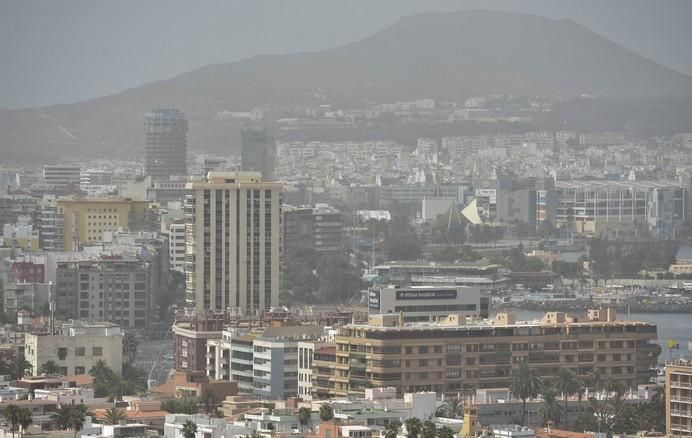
(448, 55)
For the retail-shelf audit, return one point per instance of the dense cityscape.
(463, 265)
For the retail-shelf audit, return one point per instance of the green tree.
(50, 368)
(568, 383)
(209, 401)
(595, 379)
(338, 279)
(612, 385)
(62, 417)
(77, 418)
(189, 429)
(445, 432)
(134, 381)
(12, 415)
(451, 408)
(70, 417)
(326, 412)
(414, 427)
(402, 242)
(550, 409)
(104, 377)
(391, 429)
(188, 405)
(304, 417)
(21, 368)
(130, 345)
(24, 420)
(114, 416)
(429, 429)
(525, 383)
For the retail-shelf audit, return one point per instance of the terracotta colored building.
(195, 384)
(27, 272)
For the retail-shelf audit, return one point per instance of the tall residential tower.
(165, 131)
(258, 151)
(233, 243)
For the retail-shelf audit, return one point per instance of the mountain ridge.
(448, 55)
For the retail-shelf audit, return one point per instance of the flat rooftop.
(596, 184)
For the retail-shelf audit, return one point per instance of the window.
(62, 353)
(79, 371)
(79, 351)
(97, 351)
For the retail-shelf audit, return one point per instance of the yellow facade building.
(86, 220)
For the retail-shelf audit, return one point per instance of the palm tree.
(189, 429)
(21, 368)
(130, 347)
(77, 416)
(550, 409)
(304, 416)
(444, 432)
(61, 417)
(50, 368)
(612, 385)
(525, 383)
(414, 427)
(595, 379)
(70, 417)
(568, 383)
(103, 378)
(12, 415)
(210, 402)
(114, 416)
(326, 412)
(452, 407)
(391, 429)
(429, 429)
(603, 414)
(24, 420)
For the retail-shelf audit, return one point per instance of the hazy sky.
(55, 51)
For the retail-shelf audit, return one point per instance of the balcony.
(686, 385)
(680, 399)
(679, 413)
(680, 428)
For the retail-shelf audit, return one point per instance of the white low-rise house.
(97, 430)
(70, 396)
(513, 431)
(13, 393)
(278, 421)
(206, 427)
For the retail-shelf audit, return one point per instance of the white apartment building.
(275, 360)
(176, 246)
(306, 353)
(77, 347)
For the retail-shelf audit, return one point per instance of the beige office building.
(459, 355)
(76, 347)
(679, 397)
(233, 243)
